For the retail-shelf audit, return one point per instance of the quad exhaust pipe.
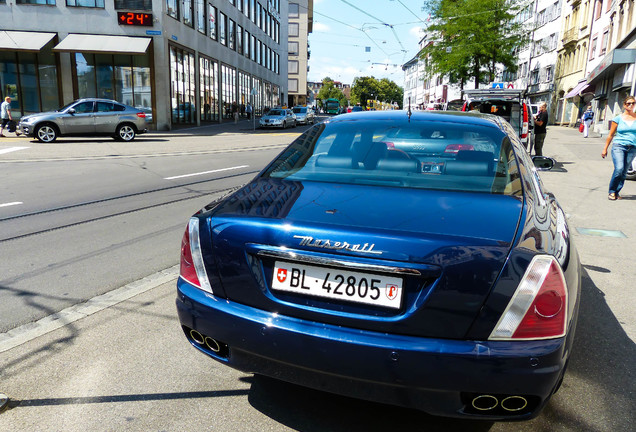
(207, 342)
(485, 403)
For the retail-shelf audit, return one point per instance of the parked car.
(511, 104)
(356, 108)
(278, 117)
(304, 115)
(87, 117)
(348, 267)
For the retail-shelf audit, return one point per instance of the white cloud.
(320, 27)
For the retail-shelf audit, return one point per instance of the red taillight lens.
(192, 268)
(538, 309)
(141, 114)
(454, 148)
(525, 126)
(464, 106)
(187, 270)
(389, 145)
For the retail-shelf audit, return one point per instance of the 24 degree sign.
(134, 19)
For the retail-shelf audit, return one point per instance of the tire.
(46, 133)
(125, 132)
(631, 171)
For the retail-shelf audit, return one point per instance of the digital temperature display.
(134, 19)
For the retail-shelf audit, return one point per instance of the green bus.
(332, 106)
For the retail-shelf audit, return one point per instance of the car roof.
(98, 100)
(422, 116)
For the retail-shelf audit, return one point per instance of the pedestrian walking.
(7, 119)
(235, 112)
(248, 110)
(588, 118)
(622, 136)
(540, 128)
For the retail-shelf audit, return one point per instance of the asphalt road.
(120, 361)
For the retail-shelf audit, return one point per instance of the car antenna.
(408, 113)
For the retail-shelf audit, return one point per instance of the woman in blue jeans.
(623, 134)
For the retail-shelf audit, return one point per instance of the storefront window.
(182, 86)
(85, 67)
(257, 98)
(209, 89)
(105, 82)
(47, 74)
(29, 101)
(243, 90)
(228, 87)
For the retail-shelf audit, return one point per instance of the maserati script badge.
(337, 245)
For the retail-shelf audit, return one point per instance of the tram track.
(191, 194)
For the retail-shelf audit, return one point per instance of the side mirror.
(71, 111)
(543, 163)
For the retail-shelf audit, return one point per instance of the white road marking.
(206, 172)
(11, 204)
(12, 149)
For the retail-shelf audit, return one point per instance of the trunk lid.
(448, 246)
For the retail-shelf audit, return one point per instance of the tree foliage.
(384, 90)
(471, 38)
(330, 91)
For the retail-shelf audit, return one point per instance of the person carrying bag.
(588, 118)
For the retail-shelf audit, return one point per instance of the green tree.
(330, 91)
(472, 38)
(384, 90)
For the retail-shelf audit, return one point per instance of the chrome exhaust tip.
(485, 402)
(514, 403)
(197, 337)
(212, 344)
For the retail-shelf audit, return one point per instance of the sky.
(355, 38)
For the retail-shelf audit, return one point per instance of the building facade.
(301, 19)
(188, 62)
(611, 70)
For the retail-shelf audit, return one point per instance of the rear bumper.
(441, 377)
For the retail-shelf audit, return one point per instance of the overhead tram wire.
(378, 20)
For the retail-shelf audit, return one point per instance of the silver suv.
(87, 117)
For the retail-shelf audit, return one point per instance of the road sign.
(498, 85)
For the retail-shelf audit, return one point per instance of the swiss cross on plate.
(281, 275)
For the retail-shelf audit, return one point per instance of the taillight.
(389, 145)
(192, 268)
(141, 114)
(524, 127)
(538, 309)
(464, 106)
(454, 148)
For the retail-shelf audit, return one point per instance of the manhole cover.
(601, 232)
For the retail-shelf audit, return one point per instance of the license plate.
(339, 284)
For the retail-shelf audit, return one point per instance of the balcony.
(570, 36)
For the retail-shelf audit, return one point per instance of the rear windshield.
(425, 155)
(299, 110)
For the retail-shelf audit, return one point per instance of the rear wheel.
(46, 133)
(631, 171)
(125, 132)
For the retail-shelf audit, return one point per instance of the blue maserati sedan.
(412, 259)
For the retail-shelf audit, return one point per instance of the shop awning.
(578, 89)
(103, 44)
(611, 62)
(23, 41)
